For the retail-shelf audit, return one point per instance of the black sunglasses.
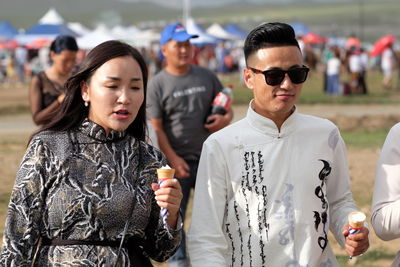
(275, 76)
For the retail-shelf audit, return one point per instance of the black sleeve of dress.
(161, 241)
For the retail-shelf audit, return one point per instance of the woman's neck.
(56, 76)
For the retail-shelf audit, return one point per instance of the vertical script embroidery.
(251, 188)
(322, 216)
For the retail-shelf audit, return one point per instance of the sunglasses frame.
(265, 73)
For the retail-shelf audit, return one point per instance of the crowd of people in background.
(344, 68)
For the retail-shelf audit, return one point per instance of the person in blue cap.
(179, 103)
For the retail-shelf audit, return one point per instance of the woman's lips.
(122, 114)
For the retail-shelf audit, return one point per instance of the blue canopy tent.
(7, 31)
(236, 31)
(204, 38)
(50, 29)
(44, 31)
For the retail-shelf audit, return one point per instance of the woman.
(46, 91)
(333, 67)
(386, 199)
(88, 174)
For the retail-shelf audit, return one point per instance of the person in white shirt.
(333, 67)
(270, 186)
(385, 217)
(355, 68)
(388, 64)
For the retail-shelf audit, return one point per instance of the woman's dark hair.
(72, 111)
(63, 42)
(266, 35)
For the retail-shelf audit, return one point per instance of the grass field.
(363, 151)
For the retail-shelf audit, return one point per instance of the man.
(179, 102)
(21, 57)
(271, 186)
(388, 64)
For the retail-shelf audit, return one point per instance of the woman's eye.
(112, 86)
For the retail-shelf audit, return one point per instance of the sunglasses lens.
(298, 75)
(274, 77)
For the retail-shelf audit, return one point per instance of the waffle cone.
(164, 174)
(356, 223)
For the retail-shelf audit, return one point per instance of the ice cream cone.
(164, 174)
(356, 219)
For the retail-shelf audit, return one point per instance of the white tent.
(51, 17)
(204, 38)
(125, 33)
(78, 28)
(48, 27)
(145, 38)
(94, 38)
(219, 32)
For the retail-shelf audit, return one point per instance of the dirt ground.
(15, 130)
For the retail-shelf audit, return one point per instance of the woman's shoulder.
(148, 148)
(151, 153)
(50, 138)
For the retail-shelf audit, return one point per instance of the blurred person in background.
(385, 217)
(86, 192)
(21, 59)
(333, 69)
(46, 91)
(10, 64)
(365, 67)
(355, 68)
(179, 104)
(389, 63)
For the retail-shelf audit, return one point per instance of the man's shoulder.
(202, 70)
(311, 121)
(228, 133)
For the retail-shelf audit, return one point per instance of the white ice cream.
(166, 167)
(358, 217)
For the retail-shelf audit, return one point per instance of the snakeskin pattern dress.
(80, 185)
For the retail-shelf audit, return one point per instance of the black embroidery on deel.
(252, 178)
(321, 217)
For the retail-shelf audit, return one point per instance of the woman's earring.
(86, 104)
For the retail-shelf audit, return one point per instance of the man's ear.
(85, 91)
(249, 77)
(163, 49)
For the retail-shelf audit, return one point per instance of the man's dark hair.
(271, 34)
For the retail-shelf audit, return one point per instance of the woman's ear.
(248, 77)
(85, 91)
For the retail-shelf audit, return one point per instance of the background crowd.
(343, 61)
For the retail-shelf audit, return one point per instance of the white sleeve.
(340, 198)
(386, 199)
(206, 241)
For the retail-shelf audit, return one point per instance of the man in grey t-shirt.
(179, 102)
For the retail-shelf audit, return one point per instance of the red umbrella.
(38, 43)
(353, 42)
(313, 38)
(381, 44)
(10, 44)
